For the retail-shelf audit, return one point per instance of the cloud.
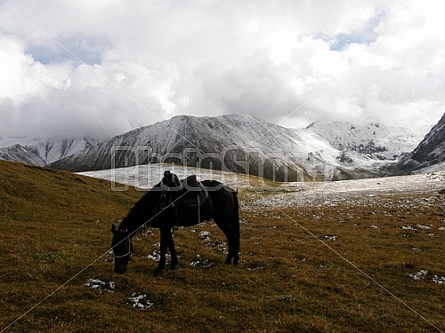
(77, 48)
(102, 68)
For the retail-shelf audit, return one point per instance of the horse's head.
(122, 248)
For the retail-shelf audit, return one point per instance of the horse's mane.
(142, 210)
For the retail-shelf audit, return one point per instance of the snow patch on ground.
(361, 192)
(147, 176)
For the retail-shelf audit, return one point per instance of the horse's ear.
(113, 229)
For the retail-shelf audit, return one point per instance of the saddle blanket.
(196, 198)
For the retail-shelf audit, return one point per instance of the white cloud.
(289, 61)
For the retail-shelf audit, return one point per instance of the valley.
(349, 256)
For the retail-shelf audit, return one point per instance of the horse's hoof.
(235, 261)
(173, 267)
(158, 272)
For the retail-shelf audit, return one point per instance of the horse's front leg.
(163, 248)
(171, 246)
(166, 242)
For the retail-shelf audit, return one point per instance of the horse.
(173, 203)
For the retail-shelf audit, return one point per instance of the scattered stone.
(202, 263)
(419, 275)
(439, 279)
(422, 275)
(408, 227)
(100, 285)
(140, 301)
(205, 236)
(329, 238)
(156, 255)
(219, 245)
(286, 298)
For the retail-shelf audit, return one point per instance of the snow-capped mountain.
(249, 145)
(19, 153)
(42, 151)
(373, 140)
(428, 156)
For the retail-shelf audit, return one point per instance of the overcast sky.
(104, 67)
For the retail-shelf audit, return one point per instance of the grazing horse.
(173, 203)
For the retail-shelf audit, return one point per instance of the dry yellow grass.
(55, 225)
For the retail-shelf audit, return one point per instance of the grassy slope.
(54, 224)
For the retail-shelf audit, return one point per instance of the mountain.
(373, 140)
(19, 153)
(428, 156)
(249, 145)
(42, 151)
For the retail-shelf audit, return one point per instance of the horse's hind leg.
(233, 241)
(235, 251)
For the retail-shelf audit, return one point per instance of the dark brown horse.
(174, 203)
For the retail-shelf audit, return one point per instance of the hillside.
(36, 191)
(326, 257)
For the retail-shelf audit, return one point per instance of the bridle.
(129, 252)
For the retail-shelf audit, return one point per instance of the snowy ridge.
(19, 153)
(428, 156)
(374, 140)
(42, 151)
(239, 143)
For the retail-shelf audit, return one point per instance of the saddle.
(197, 194)
(192, 193)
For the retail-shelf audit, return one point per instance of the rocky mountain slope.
(373, 140)
(428, 156)
(42, 151)
(248, 145)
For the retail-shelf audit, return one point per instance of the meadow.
(368, 261)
